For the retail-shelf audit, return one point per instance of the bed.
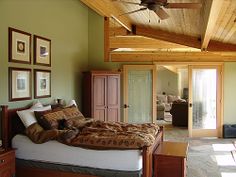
(26, 166)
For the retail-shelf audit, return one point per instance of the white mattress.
(55, 152)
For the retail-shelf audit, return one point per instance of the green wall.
(230, 93)
(65, 22)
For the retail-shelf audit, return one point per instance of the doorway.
(205, 101)
(141, 104)
(139, 95)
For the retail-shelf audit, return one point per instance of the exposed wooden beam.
(220, 46)
(211, 12)
(181, 39)
(118, 31)
(107, 8)
(172, 57)
(142, 42)
(106, 39)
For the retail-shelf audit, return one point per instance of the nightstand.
(7, 163)
(170, 159)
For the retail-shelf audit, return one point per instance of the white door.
(139, 93)
(204, 101)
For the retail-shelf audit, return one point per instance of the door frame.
(219, 101)
(125, 87)
(221, 106)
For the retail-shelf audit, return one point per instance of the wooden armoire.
(101, 95)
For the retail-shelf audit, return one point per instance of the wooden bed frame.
(12, 125)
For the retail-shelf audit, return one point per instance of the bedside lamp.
(72, 102)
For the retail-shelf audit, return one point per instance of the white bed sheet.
(55, 152)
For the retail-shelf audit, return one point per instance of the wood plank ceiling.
(211, 28)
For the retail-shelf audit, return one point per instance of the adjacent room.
(117, 88)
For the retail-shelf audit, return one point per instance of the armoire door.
(99, 110)
(113, 98)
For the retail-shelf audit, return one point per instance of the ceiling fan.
(158, 6)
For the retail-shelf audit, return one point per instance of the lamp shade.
(72, 102)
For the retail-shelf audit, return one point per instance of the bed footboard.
(148, 155)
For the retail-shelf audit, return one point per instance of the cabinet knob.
(2, 161)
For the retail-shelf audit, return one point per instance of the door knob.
(126, 106)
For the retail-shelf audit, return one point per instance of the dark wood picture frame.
(43, 45)
(44, 84)
(23, 84)
(19, 50)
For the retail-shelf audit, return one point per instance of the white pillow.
(27, 116)
(36, 104)
(71, 103)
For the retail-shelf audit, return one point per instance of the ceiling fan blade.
(127, 2)
(161, 14)
(184, 5)
(131, 12)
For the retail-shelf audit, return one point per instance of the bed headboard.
(11, 124)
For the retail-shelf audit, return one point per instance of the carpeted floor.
(207, 157)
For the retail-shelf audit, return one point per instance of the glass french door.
(204, 101)
(139, 93)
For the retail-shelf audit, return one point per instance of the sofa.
(179, 112)
(167, 100)
(160, 111)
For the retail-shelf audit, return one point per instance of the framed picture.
(19, 84)
(19, 46)
(42, 51)
(42, 83)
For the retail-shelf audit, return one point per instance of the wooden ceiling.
(140, 35)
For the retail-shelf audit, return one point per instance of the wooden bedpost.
(5, 127)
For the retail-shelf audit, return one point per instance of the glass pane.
(140, 96)
(204, 98)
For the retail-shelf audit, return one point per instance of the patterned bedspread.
(94, 134)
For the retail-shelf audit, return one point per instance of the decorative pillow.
(38, 135)
(162, 98)
(72, 112)
(172, 98)
(49, 119)
(27, 116)
(77, 122)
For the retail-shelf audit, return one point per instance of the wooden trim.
(211, 12)
(220, 46)
(118, 31)
(172, 57)
(109, 9)
(154, 93)
(106, 39)
(167, 36)
(5, 126)
(190, 108)
(181, 39)
(141, 42)
(10, 58)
